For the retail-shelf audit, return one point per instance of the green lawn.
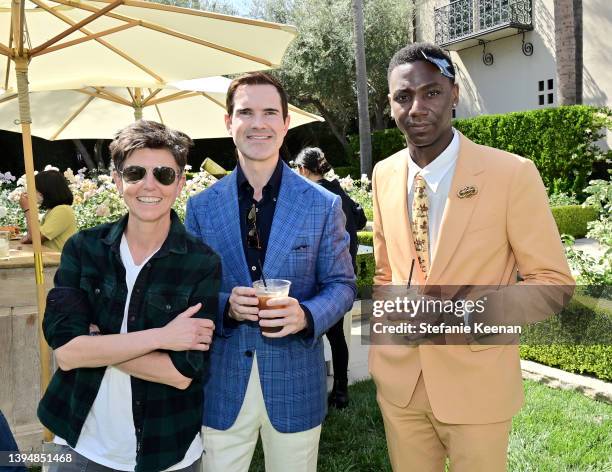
(556, 431)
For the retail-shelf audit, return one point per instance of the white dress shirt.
(438, 176)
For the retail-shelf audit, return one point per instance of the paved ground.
(589, 246)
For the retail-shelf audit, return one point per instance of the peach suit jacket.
(483, 240)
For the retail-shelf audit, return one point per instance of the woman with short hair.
(130, 320)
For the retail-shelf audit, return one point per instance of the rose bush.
(96, 199)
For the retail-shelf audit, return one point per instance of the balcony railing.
(462, 20)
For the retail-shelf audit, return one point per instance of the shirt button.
(248, 353)
(274, 199)
(138, 402)
(132, 318)
(253, 268)
(168, 307)
(97, 291)
(137, 290)
(148, 265)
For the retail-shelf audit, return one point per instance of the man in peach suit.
(487, 218)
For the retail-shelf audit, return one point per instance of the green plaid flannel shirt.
(90, 288)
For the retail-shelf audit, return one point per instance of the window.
(546, 97)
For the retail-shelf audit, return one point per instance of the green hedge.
(365, 274)
(366, 238)
(343, 171)
(384, 143)
(570, 219)
(578, 340)
(560, 141)
(573, 219)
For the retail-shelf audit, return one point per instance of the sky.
(240, 5)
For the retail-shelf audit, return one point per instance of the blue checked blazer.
(307, 245)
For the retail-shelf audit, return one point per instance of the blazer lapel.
(290, 211)
(227, 214)
(458, 211)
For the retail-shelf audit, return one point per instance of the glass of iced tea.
(273, 288)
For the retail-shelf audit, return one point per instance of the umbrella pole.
(21, 70)
(137, 104)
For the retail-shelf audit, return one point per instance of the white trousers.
(232, 450)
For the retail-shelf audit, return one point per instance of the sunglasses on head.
(252, 233)
(164, 175)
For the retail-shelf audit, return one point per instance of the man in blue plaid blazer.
(267, 370)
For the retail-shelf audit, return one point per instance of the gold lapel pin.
(467, 191)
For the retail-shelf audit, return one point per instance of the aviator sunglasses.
(164, 175)
(253, 241)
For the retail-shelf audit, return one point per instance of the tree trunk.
(365, 137)
(98, 154)
(568, 51)
(84, 154)
(379, 115)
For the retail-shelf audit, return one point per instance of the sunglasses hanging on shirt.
(253, 241)
(164, 175)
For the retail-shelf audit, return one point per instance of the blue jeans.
(7, 443)
(80, 463)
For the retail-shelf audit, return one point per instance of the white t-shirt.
(108, 436)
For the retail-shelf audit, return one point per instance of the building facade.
(508, 52)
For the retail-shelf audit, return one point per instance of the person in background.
(311, 163)
(55, 196)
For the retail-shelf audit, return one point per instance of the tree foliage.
(318, 69)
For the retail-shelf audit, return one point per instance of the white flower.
(346, 183)
(70, 176)
(3, 211)
(15, 195)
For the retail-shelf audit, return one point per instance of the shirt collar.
(271, 188)
(434, 172)
(175, 241)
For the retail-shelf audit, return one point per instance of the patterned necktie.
(420, 222)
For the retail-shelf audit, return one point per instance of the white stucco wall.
(511, 83)
(597, 52)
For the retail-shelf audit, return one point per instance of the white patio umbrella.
(59, 44)
(99, 112)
